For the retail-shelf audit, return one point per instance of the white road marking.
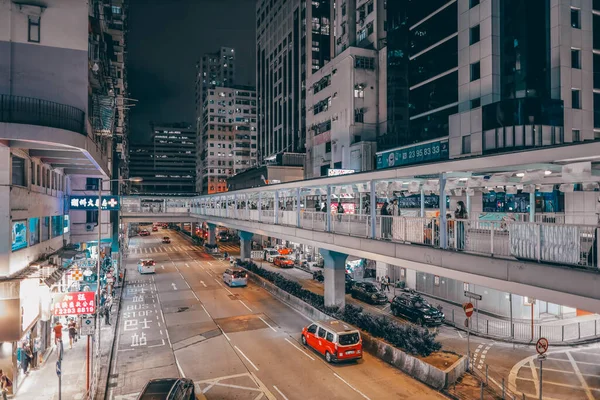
(202, 282)
(179, 366)
(162, 266)
(461, 336)
(181, 276)
(352, 387)
(174, 286)
(535, 381)
(279, 391)
(244, 304)
(267, 324)
(224, 334)
(584, 384)
(204, 308)
(187, 265)
(187, 284)
(209, 263)
(299, 349)
(242, 353)
(223, 286)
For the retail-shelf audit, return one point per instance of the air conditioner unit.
(89, 227)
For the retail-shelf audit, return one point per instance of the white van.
(270, 254)
(147, 267)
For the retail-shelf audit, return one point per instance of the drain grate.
(182, 309)
(234, 296)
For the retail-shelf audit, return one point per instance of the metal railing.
(27, 110)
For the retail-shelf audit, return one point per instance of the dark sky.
(166, 39)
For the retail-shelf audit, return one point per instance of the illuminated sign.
(420, 153)
(337, 172)
(110, 203)
(74, 303)
(19, 235)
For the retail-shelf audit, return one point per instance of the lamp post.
(99, 262)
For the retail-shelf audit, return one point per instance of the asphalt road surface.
(235, 343)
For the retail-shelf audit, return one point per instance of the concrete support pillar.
(328, 213)
(212, 237)
(422, 203)
(298, 208)
(276, 207)
(335, 277)
(532, 207)
(192, 229)
(245, 245)
(443, 210)
(373, 196)
(468, 205)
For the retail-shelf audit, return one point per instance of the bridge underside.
(570, 286)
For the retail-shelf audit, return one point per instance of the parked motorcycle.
(318, 276)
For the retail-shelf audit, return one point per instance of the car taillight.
(245, 276)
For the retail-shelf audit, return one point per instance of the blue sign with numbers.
(110, 203)
(420, 153)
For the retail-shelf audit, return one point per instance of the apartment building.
(294, 39)
(229, 136)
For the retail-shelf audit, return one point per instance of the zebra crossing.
(177, 249)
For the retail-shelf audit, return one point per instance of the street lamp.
(99, 263)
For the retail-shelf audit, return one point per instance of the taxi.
(147, 266)
(283, 262)
(166, 240)
(334, 339)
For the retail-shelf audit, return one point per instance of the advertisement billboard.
(420, 153)
(74, 303)
(19, 235)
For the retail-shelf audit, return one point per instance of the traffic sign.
(541, 346)
(472, 295)
(87, 326)
(58, 372)
(468, 307)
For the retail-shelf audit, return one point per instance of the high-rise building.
(345, 105)
(487, 76)
(293, 40)
(214, 69)
(228, 141)
(167, 165)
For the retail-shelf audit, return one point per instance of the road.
(235, 343)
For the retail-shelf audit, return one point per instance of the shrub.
(412, 339)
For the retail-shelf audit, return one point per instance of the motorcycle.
(318, 276)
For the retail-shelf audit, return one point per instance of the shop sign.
(86, 263)
(427, 152)
(74, 303)
(110, 203)
(338, 172)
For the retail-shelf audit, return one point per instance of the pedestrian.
(389, 283)
(367, 207)
(72, 326)
(386, 222)
(58, 332)
(460, 213)
(107, 309)
(27, 359)
(5, 384)
(340, 211)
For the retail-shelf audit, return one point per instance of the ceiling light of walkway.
(135, 179)
(547, 172)
(521, 174)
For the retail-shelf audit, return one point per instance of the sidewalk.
(42, 384)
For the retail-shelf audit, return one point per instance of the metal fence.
(27, 110)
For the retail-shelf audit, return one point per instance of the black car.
(416, 309)
(350, 282)
(368, 292)
(168, 389)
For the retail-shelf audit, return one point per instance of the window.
(473, 3)
(475, 103)
(33, 33)
(91, 184)
(576, 58)
(32, 173)
(365, 62)
(322, 332)
(38, 179)
(466, 144)
(45, 228)
(57, 225)
(91, 217)
(329, 337)
(575, 98)
(576, 135)
(328, 147)
(34, 231)
(576, 18)
(359, 115)
(475, 71)
(18, 171)
(474, 34)
(359, 92)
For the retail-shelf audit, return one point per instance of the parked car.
(155, 228)
(235, 277)
(416, 309)
(334, 339)
(166, 240)
(168, 389)
(144, 232)
(283, 262)
(368, 292)
(270, 254)
(284, 251)
(147, 266)
(350, 282)
(211, 248)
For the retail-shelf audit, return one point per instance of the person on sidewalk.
(58, 332)
(5, 385)
(27, 358)
(107, 309)
(72, 332)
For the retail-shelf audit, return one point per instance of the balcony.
(31, 111)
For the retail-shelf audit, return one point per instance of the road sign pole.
(541, 359)
(468, 342)
(477, 311)
(87, 366)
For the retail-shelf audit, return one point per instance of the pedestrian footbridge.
(547, 253)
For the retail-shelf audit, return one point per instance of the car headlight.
(427, 316)
(374, 297)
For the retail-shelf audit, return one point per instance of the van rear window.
(239, 274)
(347, 339)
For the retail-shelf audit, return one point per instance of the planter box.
(412, 366)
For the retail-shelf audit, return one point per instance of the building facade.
(228, 143)
(294, 38)
(167, 165)
(214, 69)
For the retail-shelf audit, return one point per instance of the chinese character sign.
(428, 152)
(110, 203)
(74, 303)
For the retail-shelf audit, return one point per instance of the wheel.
(420, 322)
(352, 294)
(328, 357)
(304, 340)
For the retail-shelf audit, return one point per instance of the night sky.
(166, 39)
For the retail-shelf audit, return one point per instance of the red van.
(336, 340)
